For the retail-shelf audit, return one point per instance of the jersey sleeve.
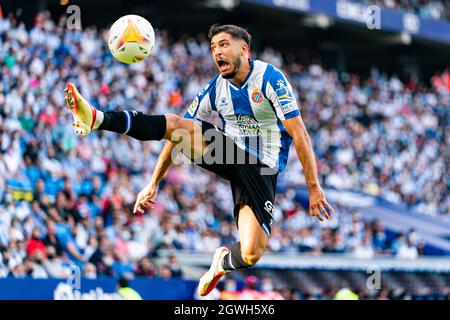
(200, 108)
(279, 91)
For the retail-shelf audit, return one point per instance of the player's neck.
(242, 74)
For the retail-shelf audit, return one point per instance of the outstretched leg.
(135, 124)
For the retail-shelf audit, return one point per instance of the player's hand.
(318, 204)
(144, 199)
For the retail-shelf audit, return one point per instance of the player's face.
(227, 53)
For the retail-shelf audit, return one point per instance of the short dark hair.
(232, 30)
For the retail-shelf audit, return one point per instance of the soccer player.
(260, 118)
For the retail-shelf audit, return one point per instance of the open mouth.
(223, 65)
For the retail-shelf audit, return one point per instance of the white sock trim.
(128, 121)
(99, 119)
(229, 261)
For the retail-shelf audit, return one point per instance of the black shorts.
(252, 182)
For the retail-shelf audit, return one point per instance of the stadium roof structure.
(364, 15)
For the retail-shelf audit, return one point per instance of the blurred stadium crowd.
(267, 286)
(328, 285)
(430, 9)
(65, 198)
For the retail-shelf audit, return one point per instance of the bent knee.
(173, 122)
(179, 126)
(251, 257)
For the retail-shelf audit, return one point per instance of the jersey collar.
(246, 78)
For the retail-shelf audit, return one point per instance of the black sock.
(233, 260)
(135, 124)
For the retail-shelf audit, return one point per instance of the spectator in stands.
(54, 264)
(268, 291)
(165, 272)
(5, 266)
(35, 244)
(295, 294)
(51, 239)
(250, 292)
(346, 294)
(365, 250)
(35, 265)
(121, 264)
(91, 246)
(146, 268)
(102, 258)
(398, 242)
(309, 296)
(90, 271)
(175, 266)
(339, 245)
(65, 234)
(379, 239)
(383, 295)
(19, 271)
(230, 291)
(408, 250)
(4, 272)
(126, 292)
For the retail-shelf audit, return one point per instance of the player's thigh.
(186, 134)
(252, 236)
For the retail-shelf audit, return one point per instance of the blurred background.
(376, 102)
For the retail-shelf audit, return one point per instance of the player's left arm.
(280, 93)
(317, 202)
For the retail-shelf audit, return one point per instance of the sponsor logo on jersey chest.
(248, 126)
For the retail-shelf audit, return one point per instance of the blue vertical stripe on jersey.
(212, 92)
(286, 140)
(242, 105)
(241, 102)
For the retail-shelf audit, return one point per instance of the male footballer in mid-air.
(260, 118)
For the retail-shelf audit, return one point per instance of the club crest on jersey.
(257, 96)
(193, 106)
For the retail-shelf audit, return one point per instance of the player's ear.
(245, 50)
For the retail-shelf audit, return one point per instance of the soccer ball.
(131, 39)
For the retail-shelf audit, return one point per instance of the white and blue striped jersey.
(251, 114)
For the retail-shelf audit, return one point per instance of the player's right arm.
(144, 198)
